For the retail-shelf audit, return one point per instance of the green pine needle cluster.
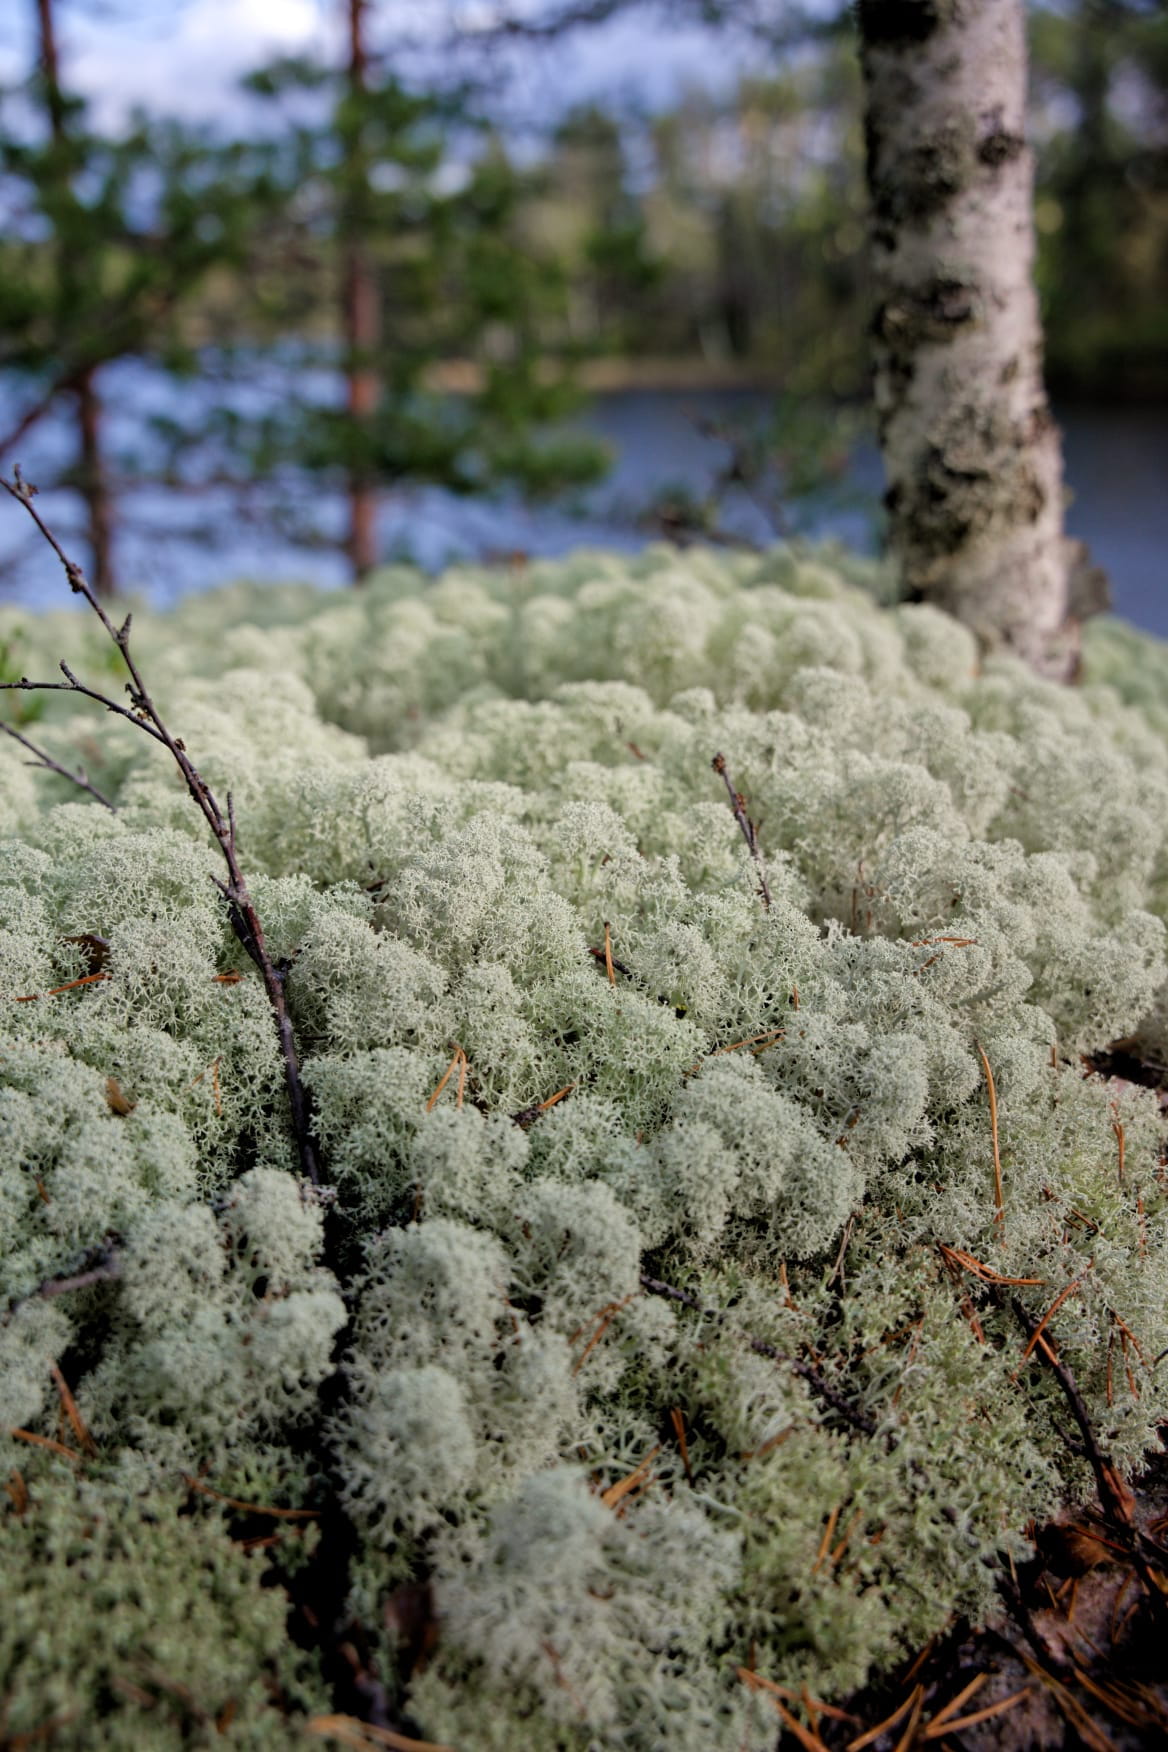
(556, 1043)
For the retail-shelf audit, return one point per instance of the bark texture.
(360, 308)
(972, 456)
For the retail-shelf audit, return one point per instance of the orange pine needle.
(609, 968)
(999, 1202)
(828, 1534)
(958, 1256)
(912, 1701)
(558, 1096)
(936, 1728)
(69, 1405)
(678, 1422)
(1120, 1138)
(47, 1442)
(226, 978)
(806, 1738)
(352, 1732)
(955, 1703)
(604, 1320)
(813, 1705)
(1040, 1329)
(89, 979)
(839, 1550)
(249, 1508)
(635, 1479)
(459, 1055)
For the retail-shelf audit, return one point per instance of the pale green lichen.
(451, 798)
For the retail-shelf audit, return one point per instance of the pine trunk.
(360, 313)
(93, 482)
(972, 456)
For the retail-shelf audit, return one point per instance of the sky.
(185, 57)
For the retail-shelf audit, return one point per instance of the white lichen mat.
(486, 839)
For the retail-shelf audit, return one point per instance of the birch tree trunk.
(972, 456)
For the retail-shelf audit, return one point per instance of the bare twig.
(50, 765)
(241, 910)
(747, 827)
(1114, 1496)
(821, 1388)
(106, 1266)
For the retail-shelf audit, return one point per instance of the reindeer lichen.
(651, 1311)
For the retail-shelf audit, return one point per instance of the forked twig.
(746, 826)
(241, 910)
(819, 1387)
(50, 765)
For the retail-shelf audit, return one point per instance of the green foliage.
(451, 795)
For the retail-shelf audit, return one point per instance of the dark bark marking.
(999, 147)
(918, 184)
(900, 23)
(937, 311)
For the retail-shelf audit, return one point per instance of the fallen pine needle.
(678, 1421)
(604, 1320)
(910, 1732)
(558, 1096)
(958, 1256)
(615, 1492)
(248, 1508)
(1040, 1329)
(364, 1734)
(999, 1202)
(825, 1542)
(914, 1697)
(89, 979)
(956, 1725)
(774, 1694)
(69, 1405)
(459, 1055)
(47, 1442)
(955, 1703)
(609, 969)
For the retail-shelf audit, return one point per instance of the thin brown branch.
(241, 910)
(107, 1265)
(50, 765)
(820, 1388)
(746, 827)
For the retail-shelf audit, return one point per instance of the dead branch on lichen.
(817, 1384)
(746, 827)
(145, 716)
(48, 764)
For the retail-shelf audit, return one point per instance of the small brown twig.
(106, 1266)
(820, 1388)
(241, 909)
(746, 827)
(50, 765)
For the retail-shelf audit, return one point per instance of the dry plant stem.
(50, 765)
(107, 1265)
(746, 827)
(806, 1371)
(241, 911)
(1114, 1497)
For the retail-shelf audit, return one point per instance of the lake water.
(171, 542)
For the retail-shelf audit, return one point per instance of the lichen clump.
(557, 1045)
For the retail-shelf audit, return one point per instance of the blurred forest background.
(417, 299)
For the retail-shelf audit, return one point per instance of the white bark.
(972, 456)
